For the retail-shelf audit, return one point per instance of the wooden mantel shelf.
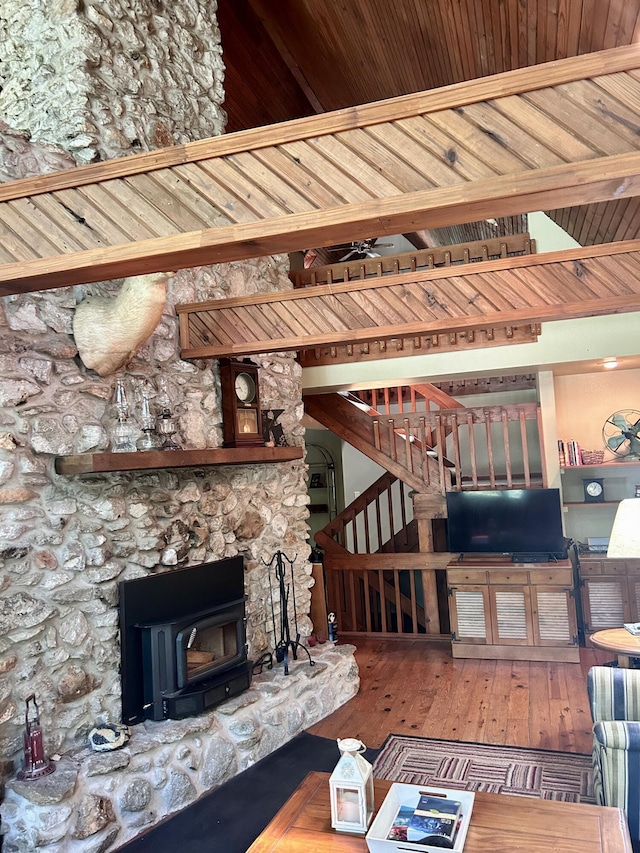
(94, 463)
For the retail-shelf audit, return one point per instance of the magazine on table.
(433, 822)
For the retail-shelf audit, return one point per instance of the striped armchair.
(614, 698)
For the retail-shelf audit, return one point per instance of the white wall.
(584, 402)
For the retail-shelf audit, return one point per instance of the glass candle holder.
(123, 431)
(149, 440)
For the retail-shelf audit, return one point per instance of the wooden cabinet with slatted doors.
(520, 613)
(610, 592)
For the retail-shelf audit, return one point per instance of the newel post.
(427, 509)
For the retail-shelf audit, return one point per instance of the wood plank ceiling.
(534, 138)
(289, 58)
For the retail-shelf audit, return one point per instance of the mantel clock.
(241, 417)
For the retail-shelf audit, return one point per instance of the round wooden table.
(619, 641)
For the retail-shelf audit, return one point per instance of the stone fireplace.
(69, 543)
(93, 81)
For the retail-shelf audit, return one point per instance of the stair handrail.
(359, 507)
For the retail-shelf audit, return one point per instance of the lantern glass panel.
(348, 801)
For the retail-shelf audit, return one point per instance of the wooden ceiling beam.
(606, 178)
(451, 97)
(514, 291)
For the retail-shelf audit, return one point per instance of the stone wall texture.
(106, 78)
(66, 542)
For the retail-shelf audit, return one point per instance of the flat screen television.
(526, 523)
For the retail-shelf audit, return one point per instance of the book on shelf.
(562, 454)
(433, 822)
(572, 453)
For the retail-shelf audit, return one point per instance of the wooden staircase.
(376, 437)
(384, 554)
(395, 592)
(377, 579)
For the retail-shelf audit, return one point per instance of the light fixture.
(610, 363)
(624, 541)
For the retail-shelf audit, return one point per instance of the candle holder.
(123, 432)
(149, 440)
(166, 421)
(351, 789)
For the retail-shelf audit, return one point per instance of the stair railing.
(379, 520)
(488, 446)
(377, 581)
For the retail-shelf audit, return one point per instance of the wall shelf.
(591, 503)
(97, 463)
(586, 520)
(617, 465)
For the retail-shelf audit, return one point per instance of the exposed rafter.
(538, 138)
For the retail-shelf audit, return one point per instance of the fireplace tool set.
(284, 641)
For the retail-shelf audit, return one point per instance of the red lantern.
(35, 762)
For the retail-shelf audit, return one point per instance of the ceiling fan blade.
(615, 441)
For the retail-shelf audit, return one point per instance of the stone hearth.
(97, 801)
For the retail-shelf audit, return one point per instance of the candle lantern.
(351, 789)
(35, 762)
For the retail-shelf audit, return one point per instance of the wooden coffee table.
(620, 642)
(498, 822)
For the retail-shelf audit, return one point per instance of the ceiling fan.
(359, 249)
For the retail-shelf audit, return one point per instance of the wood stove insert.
(183, 641)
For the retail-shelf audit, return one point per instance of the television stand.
(502, 610)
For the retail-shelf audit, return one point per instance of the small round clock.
(593, 490)
(245, 387)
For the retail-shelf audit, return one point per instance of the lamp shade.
(625, 534)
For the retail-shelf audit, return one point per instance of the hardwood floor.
(417, 688)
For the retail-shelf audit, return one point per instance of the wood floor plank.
(415, 687)
(480, 703)
(497, 718)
